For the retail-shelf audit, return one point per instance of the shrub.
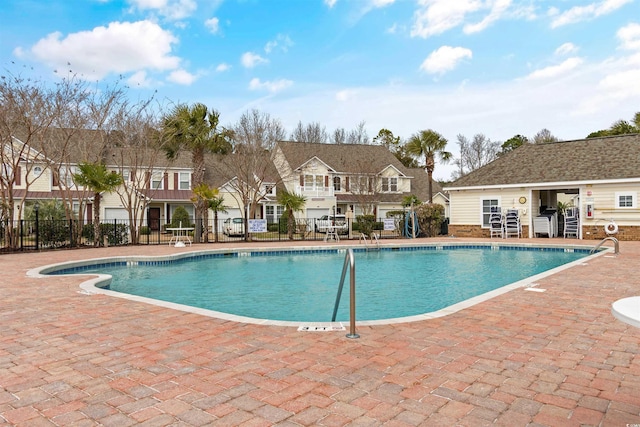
(430, 218)
(145, 230)
(180, 215)
(117, 234)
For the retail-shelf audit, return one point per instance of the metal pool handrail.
(349, 262)
(615, 243)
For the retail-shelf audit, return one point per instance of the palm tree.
(203, 192)
(217, 206)
(96, 178)
(195, 129)
(430, 144)
(292, 202)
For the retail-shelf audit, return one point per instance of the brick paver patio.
(554, 358)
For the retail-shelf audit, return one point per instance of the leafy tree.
(96, 178)
(622, 127)
(513, 143)
(292, 202)
(599, 133)
(385, 137)
(195, 129)
(431, 145)
(410, 200)
(619, 127)
(543, 136)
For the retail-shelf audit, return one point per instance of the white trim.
(543, 185)
(634, 199)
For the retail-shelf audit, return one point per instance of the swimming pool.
(300, 285)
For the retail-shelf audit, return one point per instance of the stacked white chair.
(571, 222)
(512, 226)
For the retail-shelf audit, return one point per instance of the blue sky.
(497, 67)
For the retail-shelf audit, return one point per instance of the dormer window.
(37, 171)
(390, 185)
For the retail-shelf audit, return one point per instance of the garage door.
(317, 213)
(119, 214)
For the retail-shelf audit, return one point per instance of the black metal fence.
(25, 235)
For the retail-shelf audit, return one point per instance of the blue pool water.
(303, 286)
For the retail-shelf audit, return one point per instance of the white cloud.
(555, 70)
(250, 59)
(444, 59)
(437, 16)
(282, 42)
(584, 13)
(498, 9)
(213, 25)
(182, 77)
(174, 10)
(565, 49)
(139, 79)
(392, 29)
(381, 3)
(330, 3)
(223, 67)
(271, 86)
(345, 95)
(121, 47)
(630, 36)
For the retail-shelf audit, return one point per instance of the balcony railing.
(314, 191)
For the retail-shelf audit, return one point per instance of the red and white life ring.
(611, 228)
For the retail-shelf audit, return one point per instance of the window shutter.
(147, 178)
(346, 183)
(166, 181)
(301, 180)
(55, 177)
(326, 181)
(176, 186)
(18, 175)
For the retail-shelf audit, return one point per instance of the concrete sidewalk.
(553, 358)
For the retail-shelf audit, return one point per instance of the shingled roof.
(593, 159)
(342, 158)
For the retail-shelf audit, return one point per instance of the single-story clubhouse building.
(598, 177)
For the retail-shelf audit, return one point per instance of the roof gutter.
(546, 184)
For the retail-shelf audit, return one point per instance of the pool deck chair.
(495, 223)
(571, 222)
(512, 226)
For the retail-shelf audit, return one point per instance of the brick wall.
(595, 233)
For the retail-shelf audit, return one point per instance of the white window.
(126, 175)
(337, 184)
(37, 171)
(185, 181)
(488, 206)
(314, 182)
(66, 176)
(273, 213)
(269, 190)
(157, 180)
(390, 185)
(626, 200)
